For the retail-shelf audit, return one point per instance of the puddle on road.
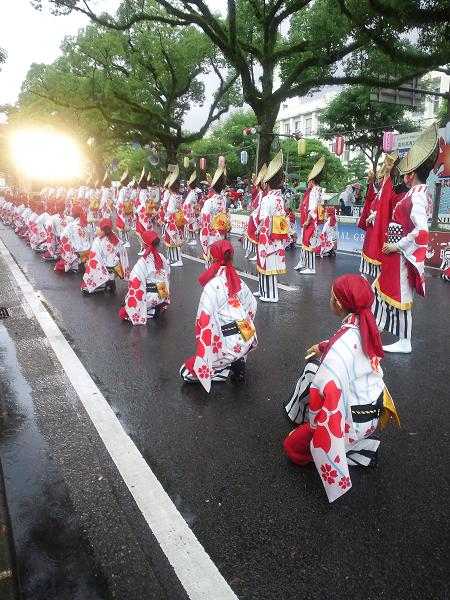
(54, 559)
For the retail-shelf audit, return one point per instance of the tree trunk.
(266, 118)
(171, 152)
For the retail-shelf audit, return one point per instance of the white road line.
(198, 574)
(286, 288)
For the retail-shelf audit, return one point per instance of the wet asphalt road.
(266, 523)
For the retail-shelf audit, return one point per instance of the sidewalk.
(8, 587)
(77, 532)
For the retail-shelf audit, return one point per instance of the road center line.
(197, 573)
(286, 288)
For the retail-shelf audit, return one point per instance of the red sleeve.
(370, 195)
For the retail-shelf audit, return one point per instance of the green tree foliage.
(336, 174)
(138, 85)
(227, 139)
(309, 43)
(357, 168)
(363, 120)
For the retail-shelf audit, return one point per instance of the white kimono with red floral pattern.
(345, 379)
(55, 226)
(104, 255)
(124, 219)
(38, 232)
(75, 239)
(214, 350)
(173, 235)
(216, 204)
(138, 301)
(190, 215)
(106, 202)
(270, 252)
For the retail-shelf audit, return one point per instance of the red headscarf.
(112, 237)
(356, 295)
(148, 237)
(77, 211)
(217, 251)
(331, 212)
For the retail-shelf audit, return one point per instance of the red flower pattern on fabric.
(237, 349)
(344, 482)
(216, 344)
(328, 474)
(234, 301)
(203, 372)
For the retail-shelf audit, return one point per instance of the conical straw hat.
(261, 174)
(421, 150)
(317, 168)
(274, 166)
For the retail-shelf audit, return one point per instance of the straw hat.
(124, 180)
(274, 166)
(208, 179)
(261, 174)
(317, 168)
(142, 179)
(217, 175)
(106, 179)
(173, 176)
(421, 150)
(149, 177)
(193, 177)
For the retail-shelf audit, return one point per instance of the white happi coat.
(173, 235)
(38, 232)
(138, 301)
(393, 283)
(328, 237)
(189, 207)
(75, 239)
(216, 204)
(270, 252)
(214, 350)
(314, 201)
(143, 217)
(344, 379)
(104, 256)
(7, 213)
(25, 217)
(55, 226)
(106, 203)
(17, 217)
(125, 209)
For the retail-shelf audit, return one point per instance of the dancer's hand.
(314, 349)
(389, 248)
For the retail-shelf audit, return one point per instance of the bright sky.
(30, 36)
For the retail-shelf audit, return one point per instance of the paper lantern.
(388, 141)
(221, 162)
(186, 162)
(203, 164)
(301, 147)
(136, 146)
(339, 145)
(244, 157)
(447, 134)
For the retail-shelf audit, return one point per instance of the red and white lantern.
(203, 164)
(388, 141)
(339, 145)
(221, 162)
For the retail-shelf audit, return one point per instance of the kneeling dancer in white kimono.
(107, 260)
(340, 398)
(149, 284)
(224, 325)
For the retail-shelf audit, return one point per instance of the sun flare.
(43, 155)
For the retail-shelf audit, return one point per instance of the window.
(346, 155)
(437, 100)
(308, 125)
(297, 126)
(287, 129)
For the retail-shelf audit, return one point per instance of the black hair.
(175, 185)
(276, 181)
(401, 187)
(424, 169)
(228, 257)
(156, 242)
(318, 178)
(220, 184)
